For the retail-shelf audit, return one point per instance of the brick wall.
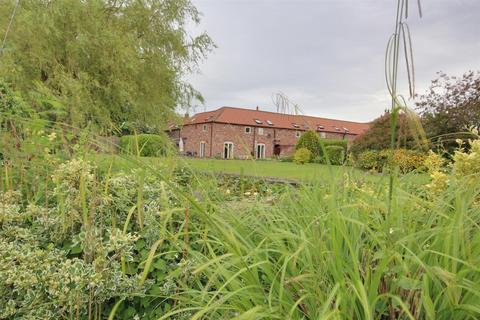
(214, 135)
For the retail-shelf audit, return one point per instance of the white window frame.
(298, 134)
(262, 155)
(205, 128)
(260, 131)
(231, 153)
(202, 151)
(249, 130)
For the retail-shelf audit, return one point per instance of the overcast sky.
(327, 55)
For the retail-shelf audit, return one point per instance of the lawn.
(254, 168)
(267, 168)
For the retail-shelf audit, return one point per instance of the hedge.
(149, 145)
(311, 141)
(406, 160)
(336, 154)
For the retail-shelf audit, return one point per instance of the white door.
(228, 150)
(180, 145)
(260, 151)
(202, 149)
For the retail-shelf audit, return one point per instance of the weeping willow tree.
(102, 62)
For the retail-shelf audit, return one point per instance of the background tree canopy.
(104, 62)
(378, 136)
(450, 107)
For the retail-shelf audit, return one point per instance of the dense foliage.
(319, 147)
(145, 145)
(311, 141)
(302, 156)
(335, 154)
(332, 251)
(102, 62)
(406, 160)
(378, 135)
(89, 240)
(451, 107)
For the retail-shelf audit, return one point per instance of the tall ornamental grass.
(332, 251)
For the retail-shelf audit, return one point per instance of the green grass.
(254, 168)
(266, 168)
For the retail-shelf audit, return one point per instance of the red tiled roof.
(249, 117)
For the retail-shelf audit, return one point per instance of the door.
(260, 151)
(276, 150)
(228, 150)
(202, 149)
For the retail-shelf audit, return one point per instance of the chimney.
(257, 108)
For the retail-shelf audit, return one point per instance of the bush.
(340, 143)
(367, 160)
(149, 145)
(406, 160)
(336, 154)
(378, 136)
(302, 155)
(311, 141)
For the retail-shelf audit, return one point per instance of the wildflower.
(255, 193)
(227, 191)
(52, 136)
(247, 193)
(391, 230)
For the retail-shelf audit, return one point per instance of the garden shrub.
(367, 160)
(149, 145)
(311, 141)
(335, 142)
(406, 160)
(302, 156)
(336, 154)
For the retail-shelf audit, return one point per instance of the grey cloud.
(326, 55)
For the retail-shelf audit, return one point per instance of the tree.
(378, 135)
(450, 107)
(103, 62)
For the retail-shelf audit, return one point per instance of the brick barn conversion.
(242, 133)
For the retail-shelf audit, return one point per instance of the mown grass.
(310, 172)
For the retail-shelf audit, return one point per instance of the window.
(248, 130)
(204, 127)
(260, 151)
(298, 134)
(202, 149)
(320, 127)
(270, 123)
(345, 129)
(258, 121)
(295, 125)
(260, 131)
(323, 135)
(227, 150)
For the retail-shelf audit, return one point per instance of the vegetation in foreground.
(84, 242)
